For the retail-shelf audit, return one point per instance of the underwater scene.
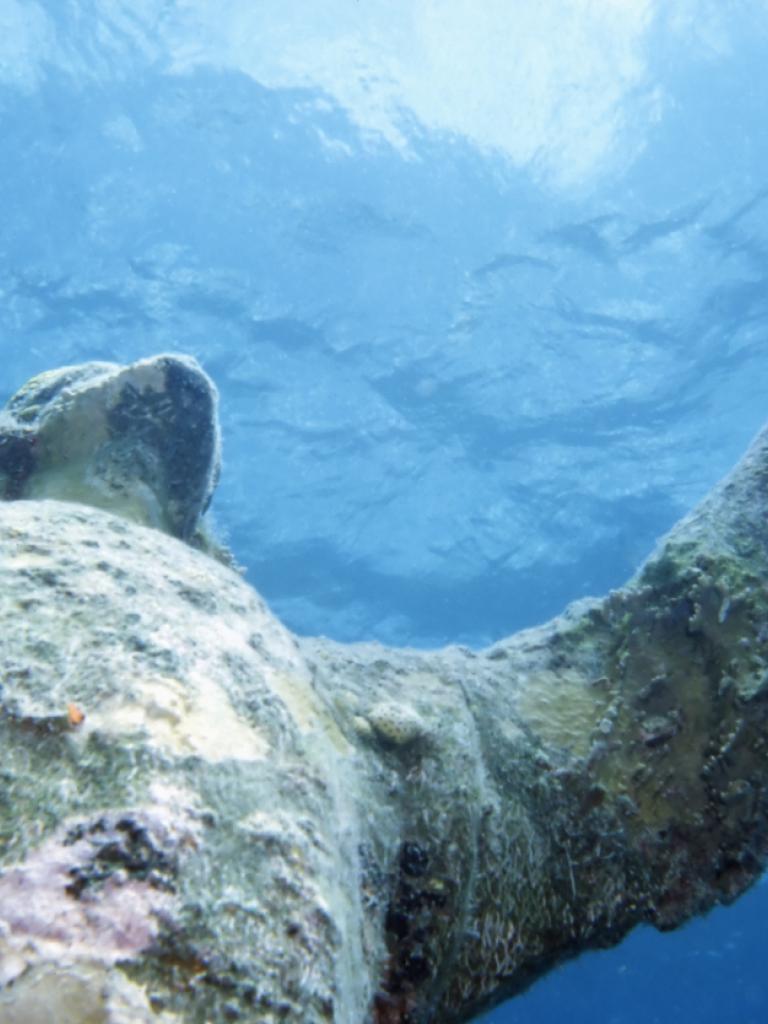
(483, 287)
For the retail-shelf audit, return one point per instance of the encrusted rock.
(141, 440)
(204, 819)
(396, 723)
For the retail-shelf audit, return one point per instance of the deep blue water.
(483, 287)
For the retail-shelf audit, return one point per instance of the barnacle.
(399, 724)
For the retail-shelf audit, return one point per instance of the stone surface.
(192, 808)
(143, 439)
(206, 819)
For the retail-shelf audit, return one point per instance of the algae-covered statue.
(206, 819)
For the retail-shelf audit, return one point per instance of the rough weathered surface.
(172, 819)
(140, 439)
(204, 819)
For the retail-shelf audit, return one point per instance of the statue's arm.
(606, 769)
(603, 770)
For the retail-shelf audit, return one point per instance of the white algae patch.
(78, 993)
(186, 719)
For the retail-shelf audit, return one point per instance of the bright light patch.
(559, 85)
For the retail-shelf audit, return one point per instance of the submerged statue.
(204, 818)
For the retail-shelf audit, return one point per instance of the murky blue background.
(483, 287)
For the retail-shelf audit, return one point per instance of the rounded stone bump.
(141, 440)
(395, 723)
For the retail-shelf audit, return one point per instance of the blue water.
(483, 287)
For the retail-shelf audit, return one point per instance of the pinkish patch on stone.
(95, 890)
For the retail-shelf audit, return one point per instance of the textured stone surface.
(205, 819)
(187, 823)
(143, 439)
